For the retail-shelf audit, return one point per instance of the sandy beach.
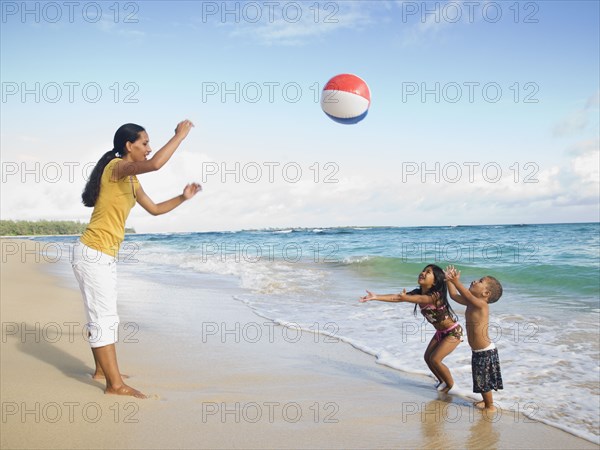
(244, 383)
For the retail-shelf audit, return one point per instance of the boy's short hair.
(495, 288)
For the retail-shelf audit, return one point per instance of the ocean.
(545, 326)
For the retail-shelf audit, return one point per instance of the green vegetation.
(43, 227)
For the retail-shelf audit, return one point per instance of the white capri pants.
(96, 273)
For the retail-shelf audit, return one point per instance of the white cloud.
(572, 124)
(585, 167)
(125, 25)
(355, 199)
(577, 121)
(305, 21)
(383, 200)
(30, 139)
(428, 22)
(593, 101)
(566, 191)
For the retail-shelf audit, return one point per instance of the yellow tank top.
(106, 229)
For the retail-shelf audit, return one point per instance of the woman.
(113, 189)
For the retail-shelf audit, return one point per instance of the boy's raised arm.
(453, 292)
(453, 279)
(450, 275)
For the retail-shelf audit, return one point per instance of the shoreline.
(218, 391)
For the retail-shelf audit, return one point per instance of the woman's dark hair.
(126, 133)
(439, 286)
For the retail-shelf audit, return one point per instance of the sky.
(481, 112)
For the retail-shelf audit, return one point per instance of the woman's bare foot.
(481, 405)
(124, 390)
(445, 389)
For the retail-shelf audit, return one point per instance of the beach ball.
(346, 99)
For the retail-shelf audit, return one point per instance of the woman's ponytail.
(92, 187)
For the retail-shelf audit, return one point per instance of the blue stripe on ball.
(349, 120)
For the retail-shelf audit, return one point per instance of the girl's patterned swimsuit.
(436, 316)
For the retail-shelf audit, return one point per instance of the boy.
(484, 362)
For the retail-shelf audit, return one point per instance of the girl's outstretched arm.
(402, 297)
(382, 298)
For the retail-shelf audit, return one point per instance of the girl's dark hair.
(126, 133)
(439, 286)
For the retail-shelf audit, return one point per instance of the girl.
(113, 189)
(431, 298)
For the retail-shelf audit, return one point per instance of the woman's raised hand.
(183, 128)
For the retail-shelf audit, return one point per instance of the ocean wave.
(546, 320)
